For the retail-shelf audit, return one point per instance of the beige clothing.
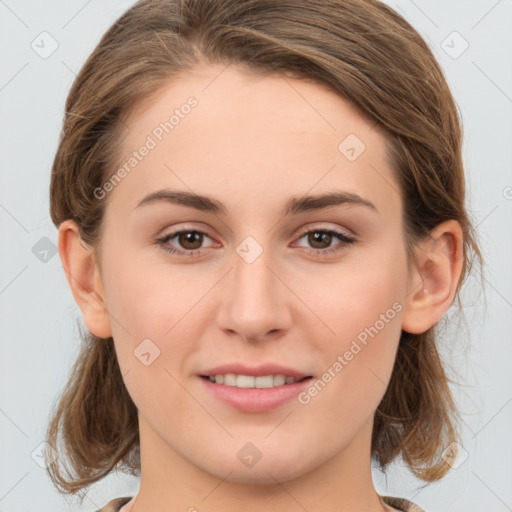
(400, 504)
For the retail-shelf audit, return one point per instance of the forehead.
(243, 136)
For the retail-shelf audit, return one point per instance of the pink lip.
(256, 371)
(256, 400)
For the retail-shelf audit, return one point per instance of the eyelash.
(347, 240)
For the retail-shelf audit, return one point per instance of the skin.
(252, 143)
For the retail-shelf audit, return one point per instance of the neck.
(171, 482)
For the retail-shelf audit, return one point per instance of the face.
(260, 274)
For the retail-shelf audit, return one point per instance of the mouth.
(254, 394)
(252, 381)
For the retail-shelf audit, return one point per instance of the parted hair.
(365, 52)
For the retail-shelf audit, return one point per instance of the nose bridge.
(253, 276)
(255, 300)
(255, 284)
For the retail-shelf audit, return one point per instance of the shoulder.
(115, 504)
(402, 504)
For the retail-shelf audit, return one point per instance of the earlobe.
(439, 262)
(84, 279)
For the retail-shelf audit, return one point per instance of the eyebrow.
(294, 205)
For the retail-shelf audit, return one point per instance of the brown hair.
(364, 51)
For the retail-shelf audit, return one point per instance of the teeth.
(249, 381)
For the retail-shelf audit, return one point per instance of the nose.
(255, 302)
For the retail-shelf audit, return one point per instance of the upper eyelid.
(300, 232)
(308, 229)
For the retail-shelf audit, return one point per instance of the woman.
(261, 217)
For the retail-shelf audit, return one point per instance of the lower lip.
(255, 399)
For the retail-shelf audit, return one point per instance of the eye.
(322, 238)
(192, 239)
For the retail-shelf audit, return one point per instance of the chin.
(267, 472)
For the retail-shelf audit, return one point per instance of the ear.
(434, 279)
(84, 279)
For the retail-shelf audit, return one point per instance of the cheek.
(363, 312)
(156, 312)
(149, 325)
(147, 295)
(352, 295)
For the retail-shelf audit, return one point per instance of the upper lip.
(257, 371)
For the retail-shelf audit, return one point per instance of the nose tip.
(254, 338)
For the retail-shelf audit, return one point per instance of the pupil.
(318, 236)
(190, 237)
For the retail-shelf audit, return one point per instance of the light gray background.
(39, 340)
